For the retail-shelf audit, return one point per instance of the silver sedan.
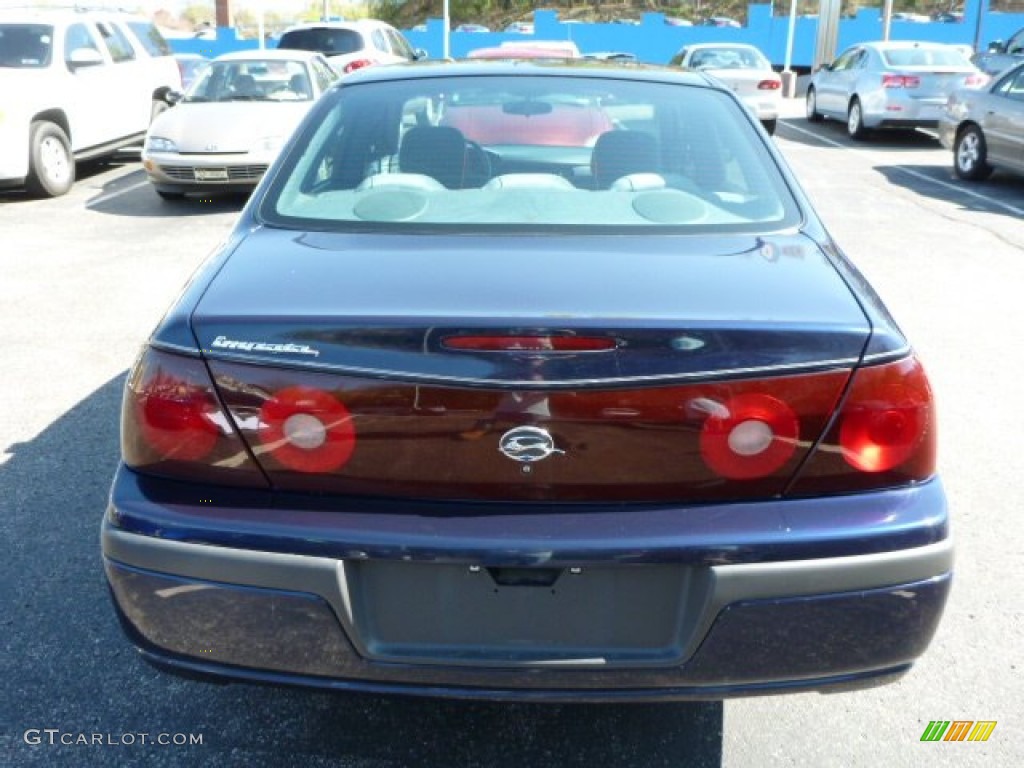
(894, 84)
(230, 124)
(744, 70)
(985, 128)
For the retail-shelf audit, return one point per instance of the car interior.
(482, 154)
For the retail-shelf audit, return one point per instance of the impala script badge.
(527, 444)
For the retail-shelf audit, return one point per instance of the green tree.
(199, 14)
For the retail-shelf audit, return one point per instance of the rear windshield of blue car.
(529, 153)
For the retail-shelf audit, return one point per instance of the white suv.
(350, 45)
(75, 85)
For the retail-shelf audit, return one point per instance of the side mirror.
(421, 53)
(173, 97)
(997, 46)
(84, 57)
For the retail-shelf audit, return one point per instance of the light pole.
(445, 42)
(788, 78)
(982, 10)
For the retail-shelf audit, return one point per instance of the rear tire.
(51, 165)
(811, 107)
(969, 155)
(855, 121)
(770, 125)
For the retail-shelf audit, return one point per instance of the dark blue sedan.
(530, 380)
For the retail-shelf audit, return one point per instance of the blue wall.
(653, 41)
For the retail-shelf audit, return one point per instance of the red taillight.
(529, 343)
(883, 435)
(172, 423)
(769, 85)
(900, 81)
(307, 429)
(177, 416)
(885, 417)
(693, 442)
(355, 64)
(749, 436)
(976, 80)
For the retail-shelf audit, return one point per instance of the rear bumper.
(893, 110)
(739, 628)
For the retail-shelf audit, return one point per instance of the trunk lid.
(679, 307)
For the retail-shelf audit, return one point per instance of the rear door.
(128, 96)
(837, 83)
(1003, 121)
(399, 45)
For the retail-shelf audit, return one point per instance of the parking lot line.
(916, 174)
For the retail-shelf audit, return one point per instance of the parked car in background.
(190, 65)
(1000, 56)
(615, 56)
(504, 418)
(351, 45)
(889, 85)
(471, 28)
(912, 18)
(719, 21)
(529, 49)
(520, 27)
(743, 69)
(76, 85)
(985, 127)
(228, 127)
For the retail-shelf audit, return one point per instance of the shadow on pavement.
(84, 171)
(133, 195)
(1001, 194)
(835, 131)
(66, 665)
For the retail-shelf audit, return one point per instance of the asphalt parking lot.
(83, 278)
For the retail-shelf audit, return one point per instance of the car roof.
(721, 44)
(356, 24)
(50, 15)
(888, 45)
(270, 54)
(589, 68)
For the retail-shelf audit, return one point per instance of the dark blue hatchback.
(530, 381)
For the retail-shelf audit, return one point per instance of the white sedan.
(228, 127)
(744, 69)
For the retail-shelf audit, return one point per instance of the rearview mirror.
(527, 108)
